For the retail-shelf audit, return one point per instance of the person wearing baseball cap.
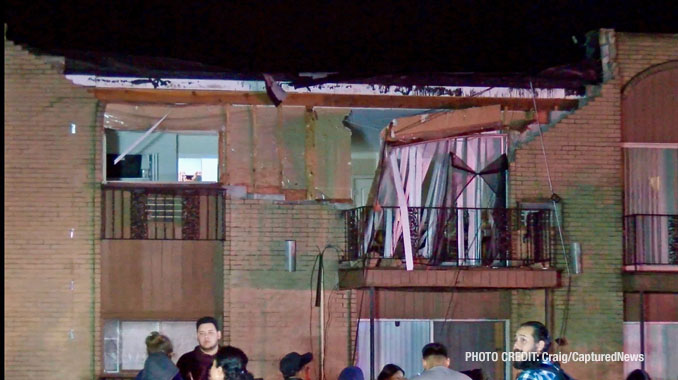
(296, 366)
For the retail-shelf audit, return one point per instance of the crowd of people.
(209, 361)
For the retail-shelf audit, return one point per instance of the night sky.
(361, 37)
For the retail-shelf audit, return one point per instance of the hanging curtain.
(435, 190)
(651, 204)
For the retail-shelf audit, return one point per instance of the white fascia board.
(325, 88)
(167, 84)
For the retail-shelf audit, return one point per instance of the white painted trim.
(325, 88)
(404, 215)
(633, 322)
(651, 268)
(650, 145)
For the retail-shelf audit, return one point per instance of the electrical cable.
(310, 315)
(566, 310)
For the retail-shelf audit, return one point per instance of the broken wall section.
(297, 152)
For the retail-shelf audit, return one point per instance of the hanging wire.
(310, 314)
(566, 311)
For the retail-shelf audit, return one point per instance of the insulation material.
(266, 161)
(453, 123)
(142, 117)
(291, 148)
(239, 146)
(332, 151)
(265, 148)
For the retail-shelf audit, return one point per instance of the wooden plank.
(471, 120)
(164, 276)
(126, 214)
(108, 212)
(203, 221)
(223, 147)
(324, 100)
(117, 214)
(154, 273)
(310, 153)
(158, 279)
(278, 135)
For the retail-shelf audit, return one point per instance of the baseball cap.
(294, 362)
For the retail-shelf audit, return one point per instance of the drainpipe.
(322, 319)
(372, 333)
(642, 329)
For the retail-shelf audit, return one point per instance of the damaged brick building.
(217, 178)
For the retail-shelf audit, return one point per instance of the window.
(198, 169)
(162, 156)
(661, 346)
(651, 208)
(125, 342)
(401, 341)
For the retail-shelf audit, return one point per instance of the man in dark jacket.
(195, 365)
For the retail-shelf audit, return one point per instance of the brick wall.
(268, 310)
(585, 160)
(637, 52)
(51, 187)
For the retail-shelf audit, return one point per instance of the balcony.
(650, 253)
(154, 232)
(162, 211)
(461, 247)
(651, 242)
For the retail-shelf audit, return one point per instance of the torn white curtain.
(424, 169)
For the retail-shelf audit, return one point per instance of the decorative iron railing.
(650, 239)
(162, 211)
(453, 236)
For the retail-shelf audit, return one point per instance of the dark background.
(349, 37)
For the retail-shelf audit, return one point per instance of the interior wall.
(205, 145)
(161, 143)
(332, 145)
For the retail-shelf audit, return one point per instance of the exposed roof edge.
(100, 82)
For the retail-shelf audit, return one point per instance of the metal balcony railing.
(650, 239)
(162, 211)
(453, 236)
